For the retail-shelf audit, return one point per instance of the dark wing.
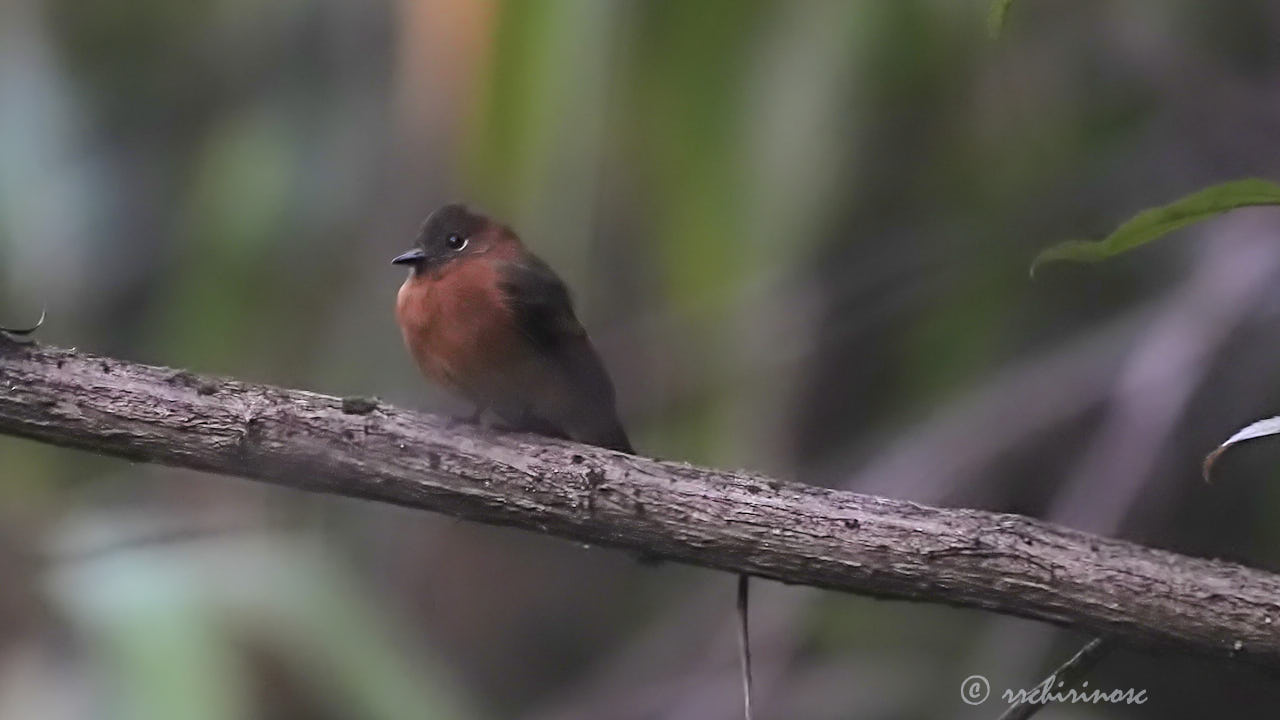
(579, 399)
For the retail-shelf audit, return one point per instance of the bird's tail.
(744, 645)
(615, 438)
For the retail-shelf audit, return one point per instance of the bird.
(488, 320)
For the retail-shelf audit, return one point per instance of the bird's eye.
(456, 242)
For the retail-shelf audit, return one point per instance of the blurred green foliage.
(171, 627)
(997, 15)
(1154, 223)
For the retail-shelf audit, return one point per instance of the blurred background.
(799, 233)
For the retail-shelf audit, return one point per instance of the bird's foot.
(475, 419)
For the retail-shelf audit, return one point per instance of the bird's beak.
(409, 258)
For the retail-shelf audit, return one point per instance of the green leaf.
(1155, 222)
(1262, 428)
(996, 15)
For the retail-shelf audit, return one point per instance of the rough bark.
(726, 520)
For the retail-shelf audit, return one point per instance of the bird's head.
(451, 233)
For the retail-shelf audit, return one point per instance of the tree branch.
(1064, 677)
(733, 521)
